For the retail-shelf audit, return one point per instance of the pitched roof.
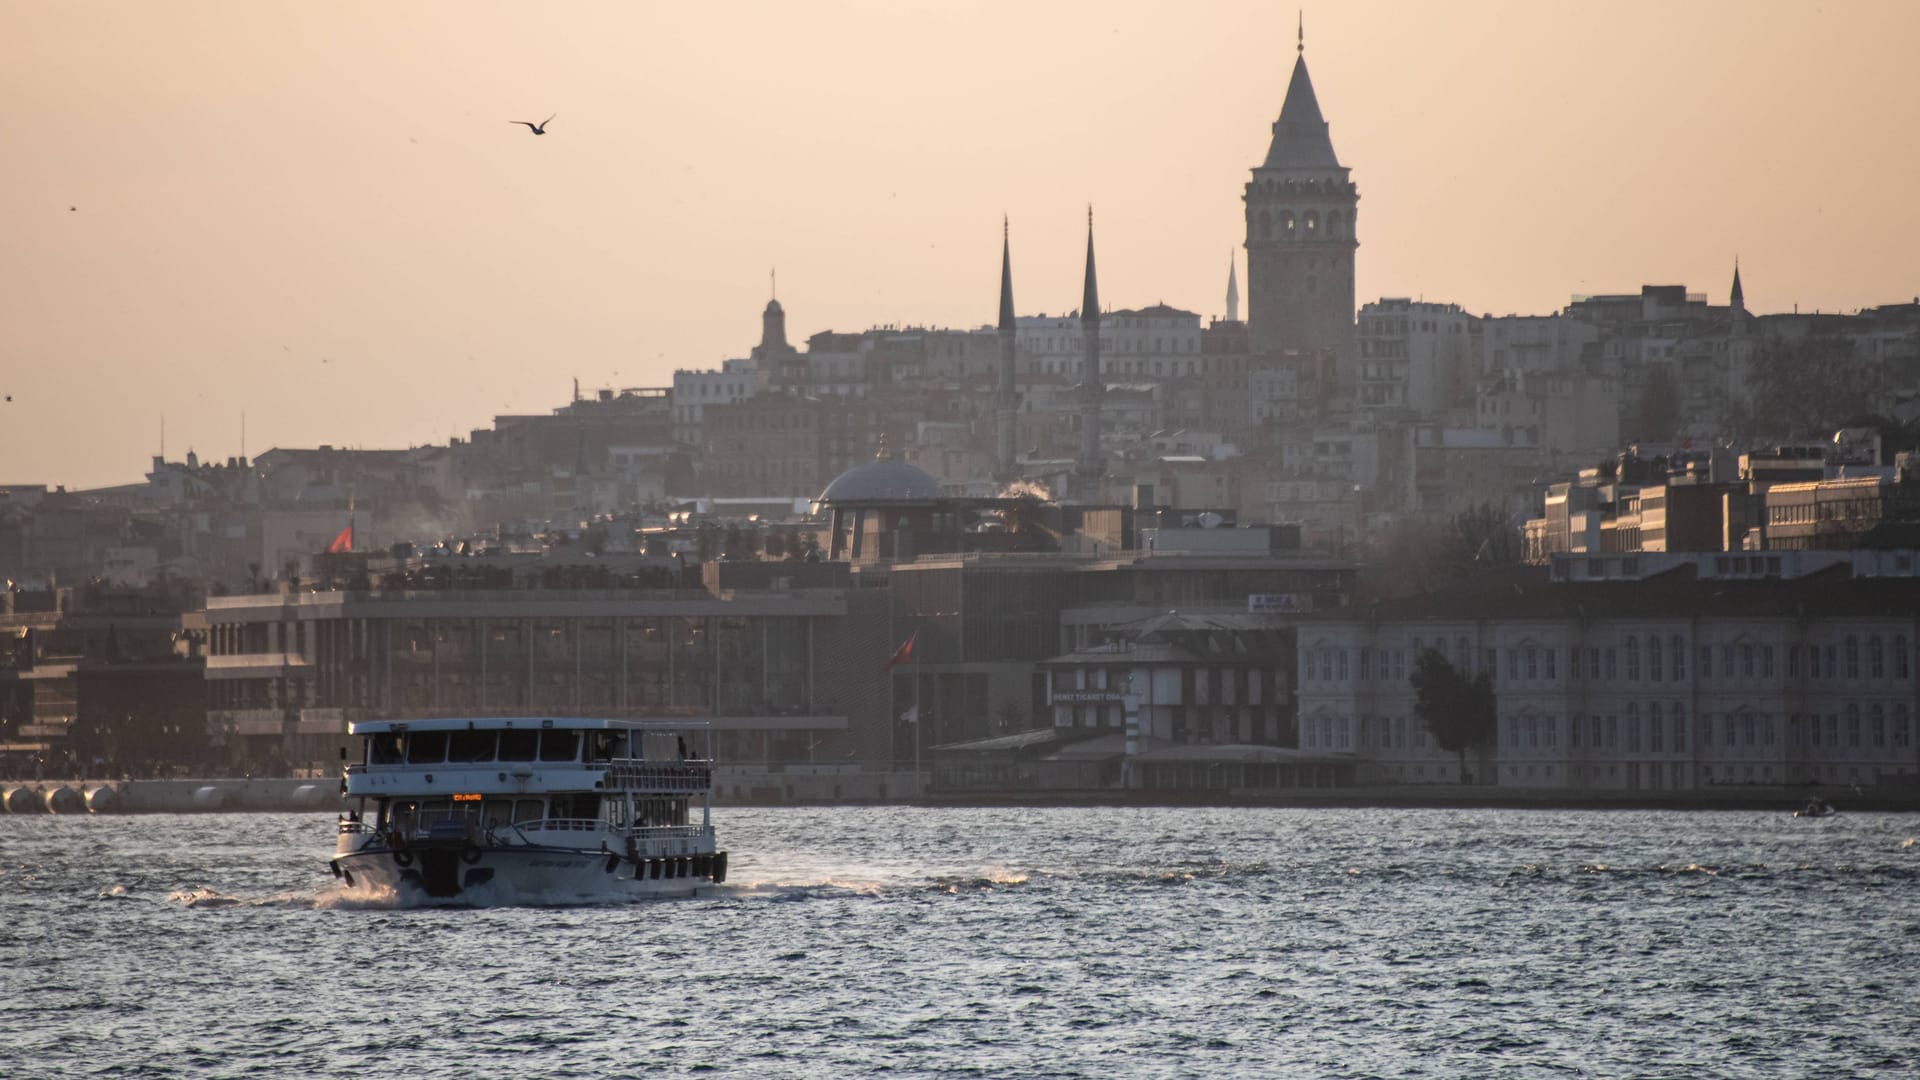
(1300, 139)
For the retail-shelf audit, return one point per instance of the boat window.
(528, 810)
(384, 749)
(426, 747)
(470, 746)
(576, 806)
(400, 816)
(606, 745)
(496, 812)
(559, 745)
(519, 745)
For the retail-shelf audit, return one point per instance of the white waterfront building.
(1647, 672)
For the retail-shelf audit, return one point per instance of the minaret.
(1006, 400)
(1091, 466)
(1300, 234)
(1233, 291)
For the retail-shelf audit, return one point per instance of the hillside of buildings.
(1112, 548)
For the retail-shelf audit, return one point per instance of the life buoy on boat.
(403, 858)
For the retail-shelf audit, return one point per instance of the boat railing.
(671, 832)
(353, 827)
(674, 776)
(561, 825)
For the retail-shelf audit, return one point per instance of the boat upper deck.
(528, 755)
(524, 723)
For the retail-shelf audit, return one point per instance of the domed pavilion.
(886, 510)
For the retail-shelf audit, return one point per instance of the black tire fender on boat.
(403, 858)
(470, 856)
(719, 867)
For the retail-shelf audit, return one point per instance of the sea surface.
(995, 942)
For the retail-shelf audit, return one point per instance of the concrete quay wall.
(170, 796)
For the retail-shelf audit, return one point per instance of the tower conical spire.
(1300, 139)
(1737, 300)
(1006, 401)
(1233, 291)
(1091, 466)
(1006, 276)
(1090, 296)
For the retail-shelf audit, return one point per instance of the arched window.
(1312, 224)
(1286, 225)
(1900, 668)
(1853, 657)
(1876, 659)
(1853, 726)
(1633, 658)
(1877, 718)
(1678, 652)
(1655, 736)
(1900, 734)
(1653, 659)
(1334, 224)
(1264, 222)
(1679, 726)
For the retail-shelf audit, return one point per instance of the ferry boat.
(536, 810)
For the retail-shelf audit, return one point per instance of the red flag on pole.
(343, 543)
(902, 654)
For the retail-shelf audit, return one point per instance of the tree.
(1459, 712)
(1423, 554)
(1482, 537)
(1805, 387)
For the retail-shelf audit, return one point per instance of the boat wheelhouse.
(540, 810)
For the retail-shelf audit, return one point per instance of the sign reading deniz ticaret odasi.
(1279, 603)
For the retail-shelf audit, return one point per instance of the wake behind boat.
(529, 810)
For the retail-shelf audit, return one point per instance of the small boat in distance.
(529, 810)
(1816, 808)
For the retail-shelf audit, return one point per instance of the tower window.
(1313, 223)
(1286, 224)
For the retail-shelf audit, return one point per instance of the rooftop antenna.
(1302, 47)
(773, 283)
(163, 436)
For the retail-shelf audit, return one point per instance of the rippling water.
(1007, 942)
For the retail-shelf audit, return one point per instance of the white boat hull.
(497, 876)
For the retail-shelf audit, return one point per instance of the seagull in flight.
(539, 128)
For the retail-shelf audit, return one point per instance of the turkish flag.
(902, 654)
(343, 543)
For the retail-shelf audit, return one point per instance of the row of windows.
(1665, 730)
(1303, 226)
(1651, 661)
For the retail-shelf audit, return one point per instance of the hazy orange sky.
(318, 215)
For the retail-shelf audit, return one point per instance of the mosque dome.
(885, 479)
